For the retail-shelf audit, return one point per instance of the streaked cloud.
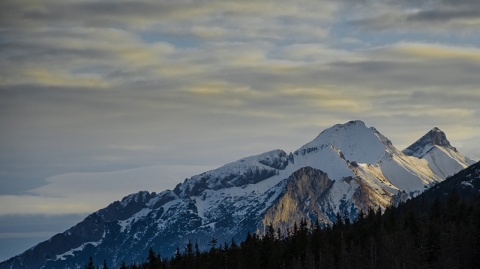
(82, 193)
(435, 51)
(437, 16)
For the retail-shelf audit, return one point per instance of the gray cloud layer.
(420, 16)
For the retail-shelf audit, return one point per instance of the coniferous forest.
(421, 233)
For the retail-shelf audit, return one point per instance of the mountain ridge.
(352, 166)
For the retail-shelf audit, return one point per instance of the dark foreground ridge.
(438, 229)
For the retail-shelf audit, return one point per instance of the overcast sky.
(99, 99)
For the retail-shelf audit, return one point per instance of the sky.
(100, 99)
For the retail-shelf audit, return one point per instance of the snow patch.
(139, 215)
(71, 252)
(467, 184)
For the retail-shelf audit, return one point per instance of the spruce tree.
(90, 264)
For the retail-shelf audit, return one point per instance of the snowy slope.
(346, 168)
(356, 141)
(407, 173)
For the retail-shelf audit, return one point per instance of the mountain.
(436, 229)
(436, 149)
(346, 168)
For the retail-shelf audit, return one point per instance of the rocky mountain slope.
(346, 168)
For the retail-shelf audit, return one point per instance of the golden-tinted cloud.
(436, 51)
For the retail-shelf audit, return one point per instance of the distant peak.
(435, 137)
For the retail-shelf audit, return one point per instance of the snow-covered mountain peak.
(355, 140)
(422, 146)
(443, 159)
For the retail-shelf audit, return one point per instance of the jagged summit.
(351, 125)
(249, 170)
(438, 137)
(434, 137)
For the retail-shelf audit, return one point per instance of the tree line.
(417, 234)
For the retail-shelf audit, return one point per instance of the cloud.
(20, 232)
(439, 16)
(328, 98)
(436, 51)
(82, 193)
(184, 15)
(57, 78)
(318, 53)
(209, 32)
(466, 12)
(77, 57)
